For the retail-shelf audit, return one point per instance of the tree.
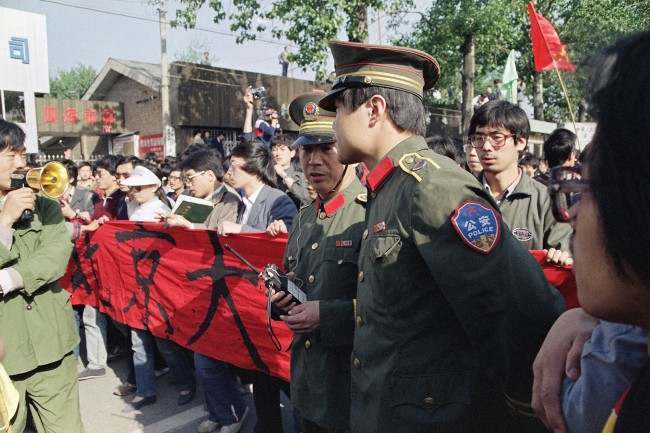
(496, 26)
(467, 37)
(309, 24)
(196, 52)
(73, 83)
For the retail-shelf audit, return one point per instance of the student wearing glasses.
(499, 132)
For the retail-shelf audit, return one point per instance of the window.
(14, 103)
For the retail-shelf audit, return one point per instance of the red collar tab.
(380, 173)
(331, 206)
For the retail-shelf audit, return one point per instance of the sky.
(82, 36)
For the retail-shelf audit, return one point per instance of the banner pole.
(568, 102)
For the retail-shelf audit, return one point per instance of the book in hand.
(195, 210)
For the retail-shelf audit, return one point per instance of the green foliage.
(73, 83)
(309, 24)
(193, 53)
(500, 25)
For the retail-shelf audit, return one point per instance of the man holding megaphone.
(36, 321)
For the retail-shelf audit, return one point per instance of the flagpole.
(557, 71)
(568, 101)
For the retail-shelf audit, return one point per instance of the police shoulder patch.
(413, 162)
(478, 226)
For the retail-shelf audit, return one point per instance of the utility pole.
(169, 139)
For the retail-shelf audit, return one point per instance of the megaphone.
(51, 179)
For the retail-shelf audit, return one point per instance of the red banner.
(548, 50)
(187, 286)
(183, 285)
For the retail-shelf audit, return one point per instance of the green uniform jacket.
(36, 322)
(529, 214)
(443, 331)
(323, 250)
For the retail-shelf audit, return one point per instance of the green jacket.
(36, 322)
(528, 212)
(446, 328)
(323, 251)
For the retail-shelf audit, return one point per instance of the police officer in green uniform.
(450, 308)
(36, 321)
(322, 254)
(499, 132)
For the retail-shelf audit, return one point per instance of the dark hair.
(195, 147)
(282, 140)
(404, 108)
(529, 159)
(203, 160)
(501, 114)
(618, 155)
(559, 146)
(257, 161)
(72, 170)
(444, 145)
(11, 136)
(165, 171)
(134, 160)
(110, 163)
(85, 164)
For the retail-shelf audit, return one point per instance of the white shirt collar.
(253, 197)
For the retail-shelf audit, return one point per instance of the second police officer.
(322, 254)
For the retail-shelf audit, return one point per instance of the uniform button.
(307, 344)
(359, 321)
(314, 245)
(365, 234)
(290, 258)
(373, 194)
(340, 262)
(29, 306)
(311, 279)
(356, 363)
(322, 215)
(428, 401)
(360, 276)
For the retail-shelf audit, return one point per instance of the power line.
(151, 20)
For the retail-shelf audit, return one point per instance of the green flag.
(509, 80)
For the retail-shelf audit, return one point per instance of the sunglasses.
(566, 187)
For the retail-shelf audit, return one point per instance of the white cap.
(141, 176)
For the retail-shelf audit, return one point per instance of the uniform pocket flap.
(381, 246)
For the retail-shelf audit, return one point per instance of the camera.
(275, 280)
(259, 92)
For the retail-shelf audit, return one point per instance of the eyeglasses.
(137, 188)
(565, 188)
(190, 179)
(174, 178)
(497, 139)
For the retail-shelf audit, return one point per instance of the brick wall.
(142, 107)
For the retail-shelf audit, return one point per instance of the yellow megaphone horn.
(51, 179)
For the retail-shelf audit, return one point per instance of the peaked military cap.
(316, 124)
(363, 65)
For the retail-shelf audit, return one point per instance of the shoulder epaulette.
(414, 162)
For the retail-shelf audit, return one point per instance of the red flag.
(549, 52)
(559, 276)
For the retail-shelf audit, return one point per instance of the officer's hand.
(283, 300)
(85, 216)
(559, 257)
(559, 355)
(15, 203)
(276, 228)
(303, 318)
